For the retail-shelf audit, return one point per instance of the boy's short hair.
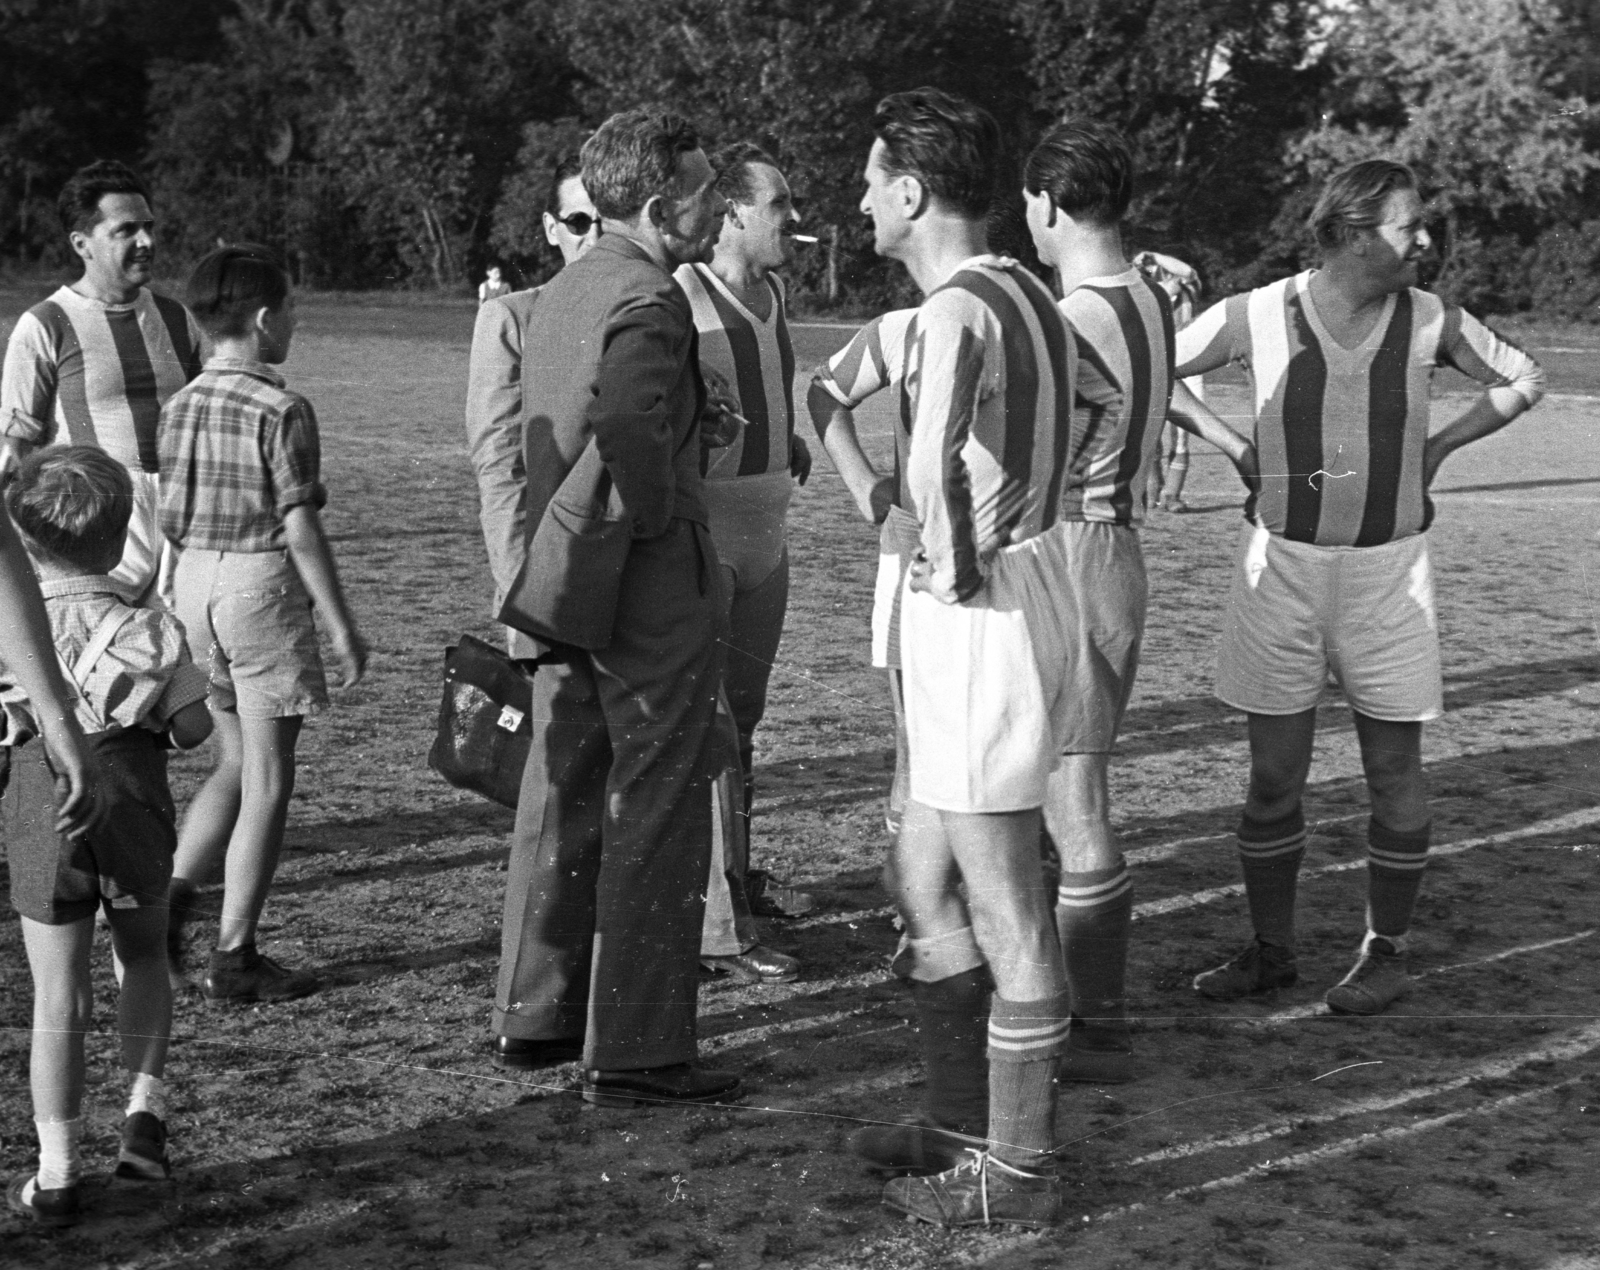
(78, 204)
(231, 283)
(951, 145)
(1353, 199)
(1086, 170)
(72, 501)
(633, 157)
(733, 163)
(567, 167)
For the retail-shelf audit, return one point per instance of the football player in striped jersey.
(1078, 182)
(980, 455)
(740, 313)
(94, 363)
(1333, 576)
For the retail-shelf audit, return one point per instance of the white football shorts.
(1300, 615)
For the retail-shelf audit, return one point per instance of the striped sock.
(1094, 911)
(1025, 1041)
(1395, 861)
(1270, 853)
(952, 1019)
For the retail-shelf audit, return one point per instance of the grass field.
(364, 1126)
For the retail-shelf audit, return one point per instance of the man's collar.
(79, 584)
(622, 245)
(247, 366)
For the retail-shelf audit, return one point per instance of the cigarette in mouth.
(804, 238)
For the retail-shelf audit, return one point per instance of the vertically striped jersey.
(986, 408)
(1122, 327)
(1340, 432)
(874, 359)
(97, 372)
(757, 360)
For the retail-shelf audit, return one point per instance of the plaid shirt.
(238, 450)
(140, 681)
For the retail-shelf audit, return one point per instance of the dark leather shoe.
(757, 965)
(525, 1056)
(48, 1208)
(682, 1082)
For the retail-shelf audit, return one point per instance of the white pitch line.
(761, 1031)
(1334, 1150)
(1316, 1008)
(1587, 819)
(789, 991)
(1573, 1045)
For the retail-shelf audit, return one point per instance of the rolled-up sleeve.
(630, 413)
(494, 438)
(146, 676)
(292, 448)
(28, 383)
(1496, 363)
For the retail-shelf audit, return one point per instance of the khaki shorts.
(988, 705)
(1301, 615)
(1106, 595)
(248, 619)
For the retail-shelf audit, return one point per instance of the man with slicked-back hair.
(620, 591)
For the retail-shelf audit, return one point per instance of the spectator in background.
(493, 286)
(1182, 285)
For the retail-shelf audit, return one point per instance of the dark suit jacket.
(612, 397)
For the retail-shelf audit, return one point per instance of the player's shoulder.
(47, 321)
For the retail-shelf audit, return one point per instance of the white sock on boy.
(60, 1160)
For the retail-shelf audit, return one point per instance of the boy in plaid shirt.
(135, 686)
(239, 498)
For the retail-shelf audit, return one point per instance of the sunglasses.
(578, 223)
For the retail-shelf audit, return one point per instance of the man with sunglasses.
(495, 389)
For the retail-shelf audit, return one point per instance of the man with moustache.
(740, 315)
(93, 364)
(495, 390)
(619, 587)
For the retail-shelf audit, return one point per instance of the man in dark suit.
(609, 855)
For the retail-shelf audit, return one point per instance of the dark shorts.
(126, 863)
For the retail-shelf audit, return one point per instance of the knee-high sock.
(1270, 853)
(952, 1025)
(1395, 861)
(1094, 912)
(1025, 1041)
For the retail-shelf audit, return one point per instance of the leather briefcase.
(484, 730)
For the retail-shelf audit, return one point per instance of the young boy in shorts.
(136, 685)
(241, 506)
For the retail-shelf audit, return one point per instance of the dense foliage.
(408, 142)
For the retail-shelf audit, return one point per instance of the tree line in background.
(409, 142)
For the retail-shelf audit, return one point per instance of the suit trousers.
(612, 841)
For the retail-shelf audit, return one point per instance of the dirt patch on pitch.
(365, 1125)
